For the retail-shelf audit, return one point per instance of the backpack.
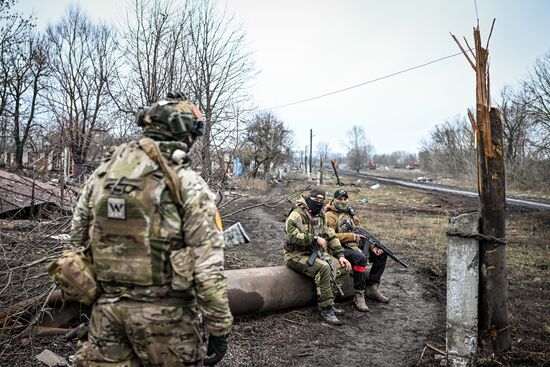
(130, 242)
(137, 219)
(75, 276)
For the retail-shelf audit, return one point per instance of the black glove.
(217, 346)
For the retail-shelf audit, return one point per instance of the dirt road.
(391, 334)
(411, 221)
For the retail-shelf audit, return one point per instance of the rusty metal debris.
(24, 195)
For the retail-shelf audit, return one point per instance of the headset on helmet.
(173, 118)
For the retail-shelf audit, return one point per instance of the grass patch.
(249, 184)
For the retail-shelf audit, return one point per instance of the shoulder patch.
(218, 221)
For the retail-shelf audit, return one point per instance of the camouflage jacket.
(195, 223)
(334, 221)
(300, 232)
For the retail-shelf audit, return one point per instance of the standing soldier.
(337, 211)
(153, 234)
(306, 229)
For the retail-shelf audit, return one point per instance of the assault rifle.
(371, 239)
(317, 253)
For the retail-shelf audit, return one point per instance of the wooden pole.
(32, 195)
(321, 169)
(494, 334)
(333, 164)
(310, 150)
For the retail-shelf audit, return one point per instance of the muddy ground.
(398, 333)
(389, 335)
(395, 334)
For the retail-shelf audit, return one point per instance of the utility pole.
(321, 169)
(494, 332)
(305, 162)
(310, 149)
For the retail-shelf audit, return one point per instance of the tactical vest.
(316, 225)
(135, 225)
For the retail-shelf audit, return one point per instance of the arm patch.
(218, 221)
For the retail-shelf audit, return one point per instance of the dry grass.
(528, 242)
(251, 185)
(413, 223)
(408, 221)
(465, 182)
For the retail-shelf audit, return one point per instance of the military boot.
(337, 311)
(328, 316)
(359, 301)
(374, 293)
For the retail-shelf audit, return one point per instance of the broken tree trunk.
(494, 334)
(493, 320)
(333, 163)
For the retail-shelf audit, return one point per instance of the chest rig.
(135, 224)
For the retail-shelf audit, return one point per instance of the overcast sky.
(306, 48)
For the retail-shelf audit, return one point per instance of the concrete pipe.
(250, 291)
(273, 288)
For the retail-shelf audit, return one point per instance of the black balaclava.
(314, 206)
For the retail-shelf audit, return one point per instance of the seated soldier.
(306, 228)
(337, 211)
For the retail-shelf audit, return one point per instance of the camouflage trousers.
(131, 333)
(320, 272)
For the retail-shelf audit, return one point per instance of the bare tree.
(537, 92)
(359, 150)
(515, 124)
(398, 158)
(268, 142)
(450, 148)
(152, 63)
(27, 65)
(323, 150)
(217, 68)
(81, 65)
(14, 30)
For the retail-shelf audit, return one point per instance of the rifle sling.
(171, 177)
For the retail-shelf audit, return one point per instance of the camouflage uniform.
(354, 251)
(158, 264)
(300, 229)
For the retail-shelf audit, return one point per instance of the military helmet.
(172, 118)
(339, 193)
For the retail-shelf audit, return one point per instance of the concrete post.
(462, 291)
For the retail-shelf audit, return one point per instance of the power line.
(367, 82)
(477, 15)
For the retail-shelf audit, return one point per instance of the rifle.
(317, 253)
(371, 239)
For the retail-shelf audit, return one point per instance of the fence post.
(462, 290)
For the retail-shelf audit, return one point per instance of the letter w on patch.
(116, 208)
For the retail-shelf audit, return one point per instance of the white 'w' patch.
(116, 208)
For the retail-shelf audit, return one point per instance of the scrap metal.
(19, 192)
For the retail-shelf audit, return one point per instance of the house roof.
(16, 192)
